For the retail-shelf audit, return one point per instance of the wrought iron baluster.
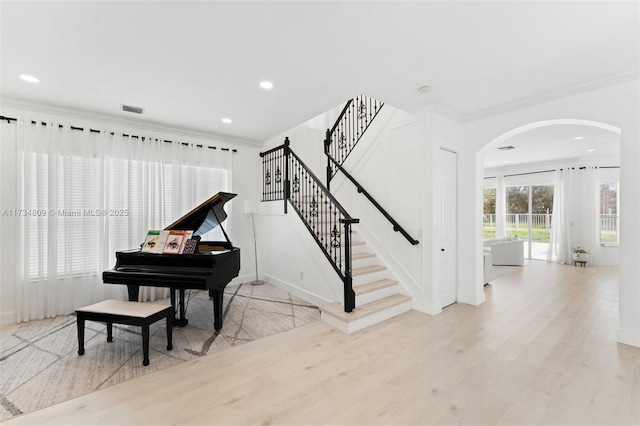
(286, 177)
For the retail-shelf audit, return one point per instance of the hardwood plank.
(541, 350)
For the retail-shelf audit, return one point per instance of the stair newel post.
(287, 182)
(349, 294)
(327, 146)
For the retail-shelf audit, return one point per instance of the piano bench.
(129, 313)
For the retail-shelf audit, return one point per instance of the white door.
(447, 235)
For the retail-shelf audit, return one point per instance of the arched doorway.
(519, 180)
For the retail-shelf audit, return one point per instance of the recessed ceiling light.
(424, 89)
(578, 138)
(226, 120)
(266, 84)
(590, 150)
(29, 78)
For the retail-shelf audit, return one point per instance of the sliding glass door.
(529, 214)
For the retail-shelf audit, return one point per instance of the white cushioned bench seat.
(129, 313)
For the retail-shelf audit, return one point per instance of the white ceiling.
(555, 142)
(189, 64)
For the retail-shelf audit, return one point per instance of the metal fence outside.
(520, 222)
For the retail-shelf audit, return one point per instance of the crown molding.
(449, 113)
(553, 95)
(109, 119)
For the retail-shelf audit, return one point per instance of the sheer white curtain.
(560, 238)
(584, 184)
(592, 214)
(60, 180)
(501, 208)
(89, 194)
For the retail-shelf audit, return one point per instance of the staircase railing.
(287, 178)
(361, 190)
(353, 121)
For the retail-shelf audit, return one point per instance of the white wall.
(291, 259)
(388, 163)
(616, 105)
(246, 182)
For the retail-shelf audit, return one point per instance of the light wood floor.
(541, 350)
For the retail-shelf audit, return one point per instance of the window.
(489, 216)
(529, 214)
(210, 181)
(75, 214)
(72, 216)
(609, 207)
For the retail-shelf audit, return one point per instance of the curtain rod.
(522, 174)
(547, 171)
(10, 119)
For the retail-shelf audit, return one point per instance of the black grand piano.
(211, 267)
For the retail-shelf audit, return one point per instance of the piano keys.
(213, 265)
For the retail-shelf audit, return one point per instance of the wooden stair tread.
(374, 286)
(337, 310)
(367, 270)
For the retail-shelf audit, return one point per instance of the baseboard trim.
(7, 318)
(243, 279)
(297, 291)
(474, 300)
(424, 307)
(629, 337)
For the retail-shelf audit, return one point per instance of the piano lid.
(205, 217)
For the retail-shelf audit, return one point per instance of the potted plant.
(580, 254)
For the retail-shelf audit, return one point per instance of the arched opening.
(521, 189)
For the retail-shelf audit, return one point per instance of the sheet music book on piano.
(174, 242)
(150, 243)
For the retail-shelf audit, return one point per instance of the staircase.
(377, 293)
(371, 294)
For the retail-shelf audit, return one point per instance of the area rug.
(40, 366)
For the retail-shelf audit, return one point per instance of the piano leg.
(216, 295)
(134, 291)
(181, 321)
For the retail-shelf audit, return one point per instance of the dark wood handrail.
(344, 110)
(329, 195)
(396, 225)
(262, 154)
(281, 159)
(352, 123)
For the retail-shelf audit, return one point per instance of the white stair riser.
(359, 248)
(372, 296)
(367, 278)
(367, 261)
(368, 321)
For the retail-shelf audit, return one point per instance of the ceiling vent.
(506, 148)
(133, 109)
